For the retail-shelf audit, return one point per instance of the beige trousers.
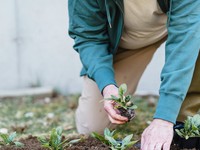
(129, 66)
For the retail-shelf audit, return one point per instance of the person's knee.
(86, 125)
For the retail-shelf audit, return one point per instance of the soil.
(31, 143)
(129, 113)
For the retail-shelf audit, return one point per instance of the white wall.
(8, 51)
(150, 81)
(47, 57)
(35, 48)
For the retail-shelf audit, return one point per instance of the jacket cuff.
(104, 77)
(168, 107)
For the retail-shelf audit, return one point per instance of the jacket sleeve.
(182, 49)
(88, 28)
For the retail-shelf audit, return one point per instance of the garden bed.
(31, 117)
(31, 143)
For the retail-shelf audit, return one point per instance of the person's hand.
(113, 114)
(157, 136)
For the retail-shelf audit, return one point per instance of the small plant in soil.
(56, 140)
(191, 127)
(124, 103)
(8, 140)
(187, 134)
(110, 139)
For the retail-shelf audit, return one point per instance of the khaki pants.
(129, 66)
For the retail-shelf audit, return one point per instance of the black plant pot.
(189, 143)
(193, 142)
(198, 144)
(179, 125)
(129, 113)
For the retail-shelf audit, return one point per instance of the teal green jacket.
(96, 27)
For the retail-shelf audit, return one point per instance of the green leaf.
(133, 107)
(12, 136)
(114, 98)
(74, 141)
(55, 137)
(4, 138)
(110, 99)
(99, 137)
(131, 144)
(127, 139)
(42, 140)
(112, 133)
(62, 143)
(191, 127)
(122, 89)
(128, 98)
(59, 130)
(194, 128)
(113, 148)
(197, 132)
(196, 120)
(111, 140)
(179, 133)
(65, 143)
(107, 132)
(186, 137)
(19, 144)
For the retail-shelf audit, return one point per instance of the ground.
(37, 116)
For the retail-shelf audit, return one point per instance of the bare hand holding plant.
(113, 114)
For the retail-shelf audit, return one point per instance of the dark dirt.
(129, 113)
(31, 143)
(89, 144)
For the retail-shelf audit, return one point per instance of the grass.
(28, 115)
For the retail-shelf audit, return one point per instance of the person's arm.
(182, 49)
(88, 27)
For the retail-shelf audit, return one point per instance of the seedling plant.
(110, 139)
(8, 140)
(124, 103)
(55, 141)
(191, 127)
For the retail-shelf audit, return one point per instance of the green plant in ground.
(7, 139)
(55, 141)
(191, 127)
(123, 101)
(110, 139)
